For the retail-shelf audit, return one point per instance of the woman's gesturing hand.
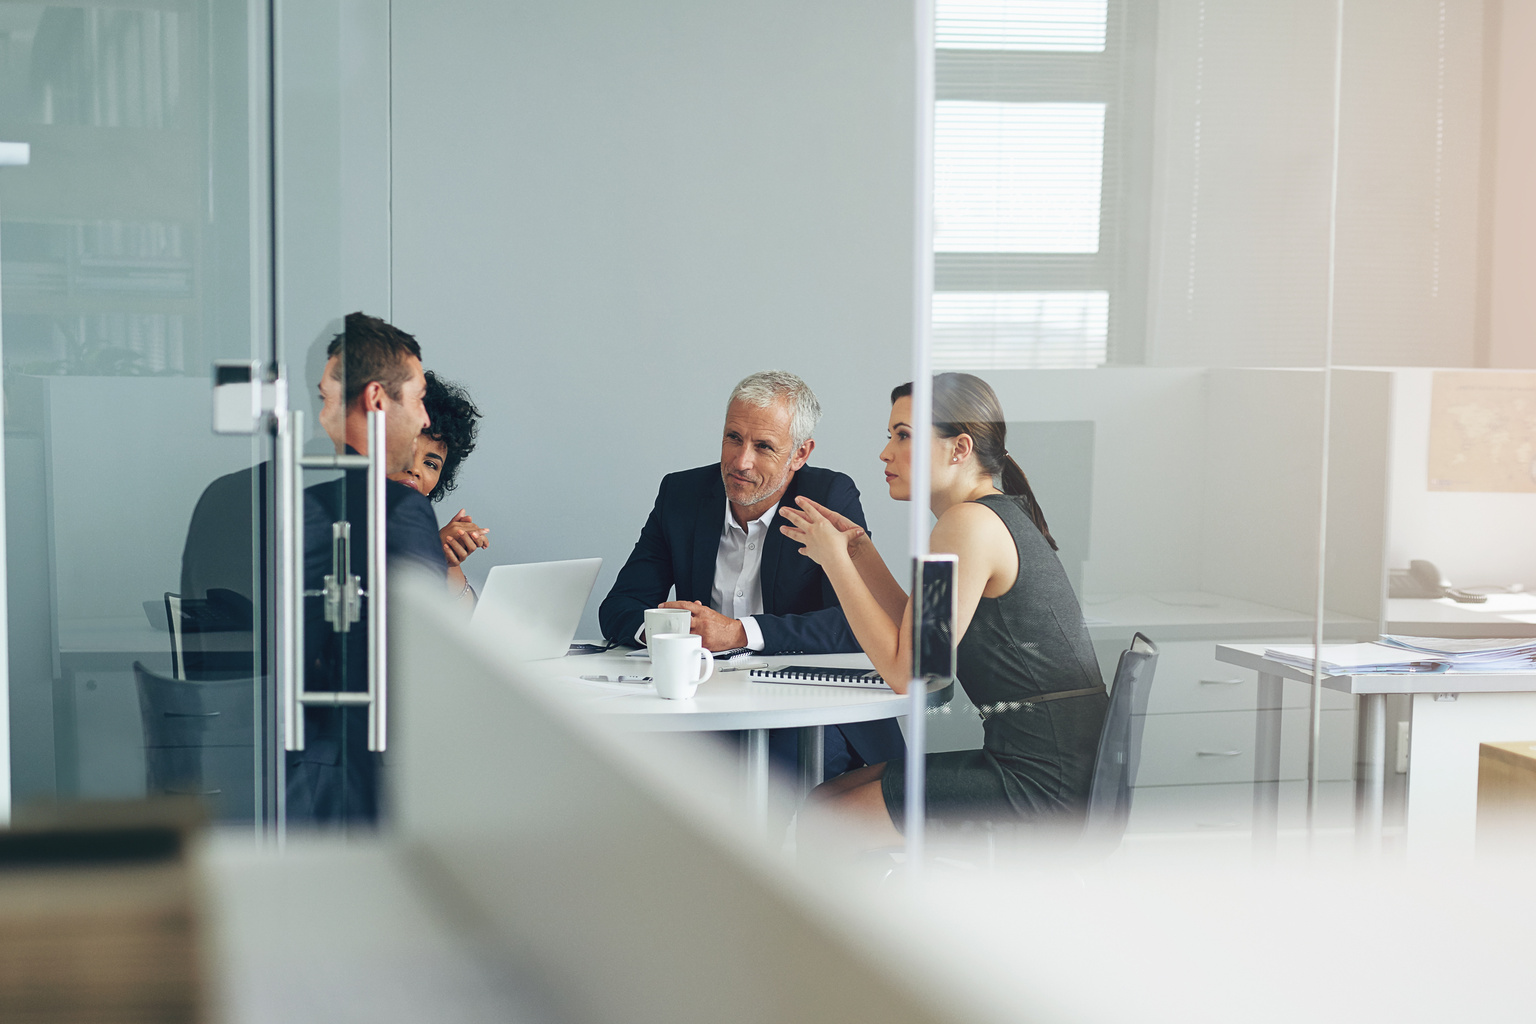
(461, 538)
(821, 532)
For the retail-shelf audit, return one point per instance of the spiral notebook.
(812, 675)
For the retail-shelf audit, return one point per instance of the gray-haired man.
(714, 535)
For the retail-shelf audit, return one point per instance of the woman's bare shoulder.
(967, 520)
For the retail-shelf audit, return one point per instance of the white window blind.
(1017, 177)
(1071, 26)
(1019, 330)
(1028, 181)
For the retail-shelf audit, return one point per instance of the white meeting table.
(1453, 712)
(730, 702)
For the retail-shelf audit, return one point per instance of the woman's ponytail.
(1016, 483)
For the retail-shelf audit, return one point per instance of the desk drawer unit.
(1217, 746)
(1229, 807)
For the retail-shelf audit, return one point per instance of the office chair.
(199, 740)
(213, 636)
(1114, 773)
(1114, 770)
(1109, 795)
(174, 624)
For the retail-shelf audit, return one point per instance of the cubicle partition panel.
(1359, 456)
(1261, 527)
(1261, 531)
(1148, 428)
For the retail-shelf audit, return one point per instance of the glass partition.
(1134, 243)
(1243, 282)
(1256, 379)
(143, 261)
(134, 259)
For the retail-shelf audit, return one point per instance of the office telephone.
(1422, 579)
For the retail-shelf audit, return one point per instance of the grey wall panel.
(604, 214)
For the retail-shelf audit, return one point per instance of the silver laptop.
(532, 610)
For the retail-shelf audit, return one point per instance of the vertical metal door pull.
(342, 592)
(378, 687)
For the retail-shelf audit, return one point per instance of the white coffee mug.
(675, 659)
(667, 620)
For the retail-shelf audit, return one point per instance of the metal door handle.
(1222, 682)
(341, 592)
(1217, 753)
(378, 686)
(290, 575)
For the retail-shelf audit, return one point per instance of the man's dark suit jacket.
(323, 786)
(681, 540)
(679, 546)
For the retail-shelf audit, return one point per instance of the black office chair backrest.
(1114, 771)
(200, 740)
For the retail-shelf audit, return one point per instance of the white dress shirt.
(738, 589)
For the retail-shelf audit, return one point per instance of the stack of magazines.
(1413, 654)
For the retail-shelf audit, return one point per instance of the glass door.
(136, 287)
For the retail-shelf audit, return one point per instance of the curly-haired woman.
(434, 469)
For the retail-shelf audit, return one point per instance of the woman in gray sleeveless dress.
(1024, 659)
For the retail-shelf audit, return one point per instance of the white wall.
(606, 213)
(1242, 175)
(1243, 128)
(334, 182)
(1512, 309)
(1474, 538)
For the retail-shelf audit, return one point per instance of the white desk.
(1201, 615)
(730, 702)
(1452, 713)
(1500, 615)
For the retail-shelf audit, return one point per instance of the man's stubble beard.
(763, 495)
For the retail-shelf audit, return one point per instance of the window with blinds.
(1037, 174)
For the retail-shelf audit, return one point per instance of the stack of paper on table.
(1474, 655)
(1412, 654)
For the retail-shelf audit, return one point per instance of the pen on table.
(616, 679)
(737, 666)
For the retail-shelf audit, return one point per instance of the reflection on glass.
(1072, 26)
(134, 532)
(1019, 330)
(1017, 177)
(109, 68)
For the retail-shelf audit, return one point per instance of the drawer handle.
(1217, 753)
(1222, 682)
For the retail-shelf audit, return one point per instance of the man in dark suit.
(714, 535)
(371, 366)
